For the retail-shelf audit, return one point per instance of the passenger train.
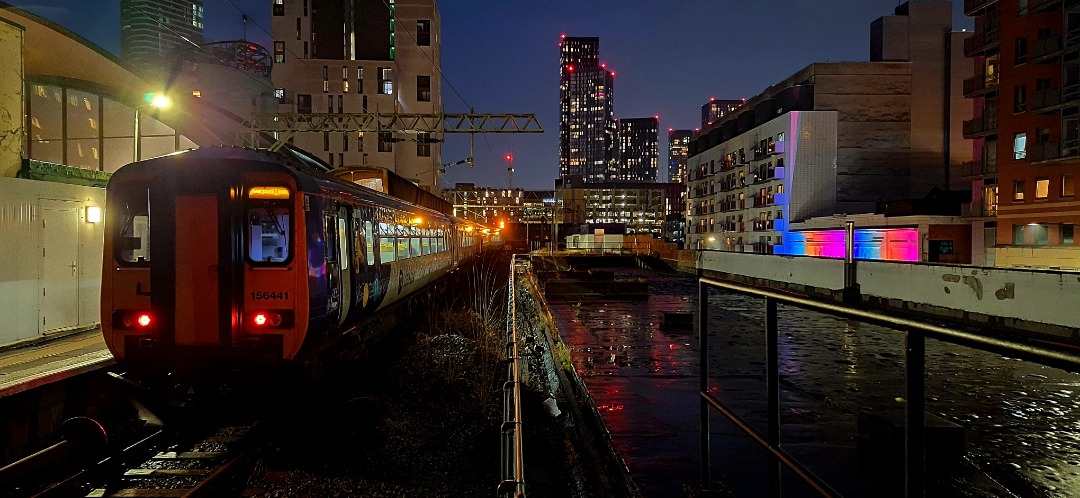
(258, 258)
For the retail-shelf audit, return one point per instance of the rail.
(513, 467)
(915, 365)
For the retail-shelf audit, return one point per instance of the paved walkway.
(34, 365)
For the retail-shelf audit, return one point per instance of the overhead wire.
(442, 77)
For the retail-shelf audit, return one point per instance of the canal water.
(1021, 422)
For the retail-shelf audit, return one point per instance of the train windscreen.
(132, 231)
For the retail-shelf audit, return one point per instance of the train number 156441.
(268, 295)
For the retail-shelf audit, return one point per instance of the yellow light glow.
(160, 101)
(712, 239)
(468, 229)
(268, 193)
(416, 221)
(93, 214)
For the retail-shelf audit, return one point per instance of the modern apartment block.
(834, 138)
(713, 110)
(639, 149)
(678, 146)
(363, 56)
(150, 30)
(1025, 131)
(639, 207)
(587, 129)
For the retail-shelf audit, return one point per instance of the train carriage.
(255, 258)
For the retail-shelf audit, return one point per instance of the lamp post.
(153, 101)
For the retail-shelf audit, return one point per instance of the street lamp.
(153, 101)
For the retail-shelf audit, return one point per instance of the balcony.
(984, 168)
(1050, 100)
(1043, 5)
(1050, 152)
(980, 84)
(1047, 49)
(981, 42)
(776, 148)
(977, 7)
(980, 127)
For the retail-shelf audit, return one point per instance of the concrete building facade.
(366, 56)
(833, 138)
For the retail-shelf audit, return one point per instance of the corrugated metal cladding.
(22, 271)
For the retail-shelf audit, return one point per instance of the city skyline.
(494, 66)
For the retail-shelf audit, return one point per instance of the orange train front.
(229, 259)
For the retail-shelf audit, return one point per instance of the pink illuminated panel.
(890, 244)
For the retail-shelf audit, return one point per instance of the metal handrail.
(915, 365)
(513, 467)
(588, 247)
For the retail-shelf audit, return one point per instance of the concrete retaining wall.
(1044, 303)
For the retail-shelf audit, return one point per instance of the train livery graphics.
(236, 258)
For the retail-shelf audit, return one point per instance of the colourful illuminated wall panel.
(890, 244)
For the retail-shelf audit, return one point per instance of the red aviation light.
(570, 68)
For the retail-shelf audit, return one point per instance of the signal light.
(144, 320)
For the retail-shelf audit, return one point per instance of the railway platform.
(28, 366)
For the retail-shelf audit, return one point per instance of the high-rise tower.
(586, 124)
(151, 29)
(678, 147)
(639, 149)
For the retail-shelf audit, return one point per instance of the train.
(258, 259)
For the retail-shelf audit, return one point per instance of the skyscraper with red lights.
(586, 119)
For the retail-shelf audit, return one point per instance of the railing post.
(915, 458)
(851, 284)
(772, 391)
(703, 365)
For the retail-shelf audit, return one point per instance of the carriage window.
(425, 245)
(368, 236)
(268, 229)
(402, 242)
(132, 242)
(330, 232)
(343, 241)
(386, 243)
(268, 218)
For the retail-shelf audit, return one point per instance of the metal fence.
(916, 334)
(513, 467)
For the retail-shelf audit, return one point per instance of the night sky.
(501, 56)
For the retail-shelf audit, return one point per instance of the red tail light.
(132, 319)
(271, 319)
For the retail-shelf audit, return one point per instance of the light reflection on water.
(1022, 421)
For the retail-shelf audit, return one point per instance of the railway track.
(210, 457)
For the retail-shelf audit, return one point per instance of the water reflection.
(1022, 421)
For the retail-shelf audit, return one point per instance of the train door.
(344, 256)
(364, 257)
(195, 271)
(333, 269)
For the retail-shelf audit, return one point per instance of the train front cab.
(200, 267)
